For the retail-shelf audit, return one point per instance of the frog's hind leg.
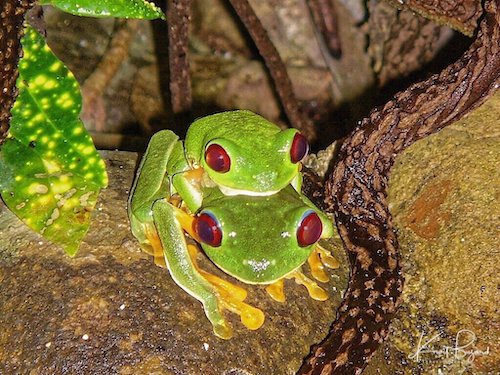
(231, 296)
(213, 292)
(181, 267)
(152, 183)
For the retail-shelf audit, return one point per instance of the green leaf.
(142, 9)
(50, 171)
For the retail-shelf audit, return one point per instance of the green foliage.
(50, 171)
(108, 8)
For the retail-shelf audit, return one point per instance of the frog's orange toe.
(252, 317)
(275, 291)
(317, 267)
(327, 258)
(315, 291)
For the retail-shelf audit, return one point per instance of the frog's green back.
(237, 126)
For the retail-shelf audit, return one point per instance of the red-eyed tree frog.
(241, 153)
(225, 189)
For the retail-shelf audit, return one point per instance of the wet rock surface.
(111, 310)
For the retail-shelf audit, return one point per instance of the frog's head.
(261, 166)
(245, 154)
(260, 239)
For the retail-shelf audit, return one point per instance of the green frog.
(233, 187)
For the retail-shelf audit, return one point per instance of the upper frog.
(243, 153)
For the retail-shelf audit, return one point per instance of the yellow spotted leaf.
(50, 171)
(143, 9)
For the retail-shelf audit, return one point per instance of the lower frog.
(255, 239)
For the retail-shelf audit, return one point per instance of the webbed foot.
(315, 291)
(230, 296)
(318, 260)
(276, 291)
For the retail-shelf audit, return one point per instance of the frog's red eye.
(208, 229)
(299, 148)
(310, 229)
(217, 158)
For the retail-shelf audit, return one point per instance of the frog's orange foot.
(152, 246)
(315, 291)
(318, 260)
(230, 296)
(227, 293)
(276, 291)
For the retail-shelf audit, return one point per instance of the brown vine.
(325, 18)
(276, 68)
(11, 30)
(356, 193)
(178, 16)
(462, 15)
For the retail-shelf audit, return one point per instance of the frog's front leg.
(213, 292)
(152, 183)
